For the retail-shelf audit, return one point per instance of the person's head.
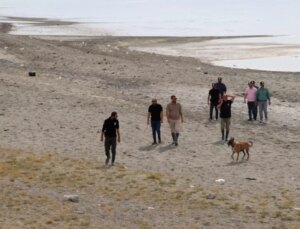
(173, 99)
(154, 101)
(114, 115)
(250, 84)
(220, 80)
(253, 83)
(262, 84)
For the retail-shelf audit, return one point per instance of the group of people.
(218, 100)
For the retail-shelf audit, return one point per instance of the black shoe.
(159, 141)
(176, 143)
(154, 143)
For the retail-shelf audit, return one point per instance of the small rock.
(32, 73)
(220, 181)
(205, 73)
(211, 196)
(71, 198)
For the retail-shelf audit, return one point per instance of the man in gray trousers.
(112, 134)
(263, 99)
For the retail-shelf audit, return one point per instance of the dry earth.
(49, 139)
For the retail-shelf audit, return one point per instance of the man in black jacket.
(111, 132)
(225, 115)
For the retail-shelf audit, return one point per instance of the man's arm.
(118, 135)
(161, 116)
(245, 96)
(181, 115)
(220, 104)
(208, 98)
(148, 118)
(167, 114)
(268, 96)
(102, 132)
(232, 97)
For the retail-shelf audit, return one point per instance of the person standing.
(111, 132)
(221, 87)
(213, 100)
(175, 118)
(225, 115)
(155, 111)
(262, 99)
(250, 96)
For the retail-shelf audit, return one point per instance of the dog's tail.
(250, 143)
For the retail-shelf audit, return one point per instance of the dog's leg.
(244, 154)
(232, 154)
(238, 154)
(248, 154)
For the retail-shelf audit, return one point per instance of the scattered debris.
(71, 198)
(151, 208)
(205, 73)
(220, 181)
(211, 196)
(32, 73)
(250, 178)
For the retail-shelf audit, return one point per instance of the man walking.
(221, 87)
(155, 111)
(213, 100)
(262, 98)
(225, 114)
(250, 96)
(111, 132)
(174, 117)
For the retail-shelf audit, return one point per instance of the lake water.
(162, 18)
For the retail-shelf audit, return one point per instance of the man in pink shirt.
(250, 96)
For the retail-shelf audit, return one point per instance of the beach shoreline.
(79, 83)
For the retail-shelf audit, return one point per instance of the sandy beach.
(50, 128)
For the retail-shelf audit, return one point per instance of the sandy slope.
(79, 83)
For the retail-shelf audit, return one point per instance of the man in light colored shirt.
(175, 118)
(262, 99)
(250, 96)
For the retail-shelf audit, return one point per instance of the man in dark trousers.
(225, 114)
(213, 100)
(155, 111)
(112, 134)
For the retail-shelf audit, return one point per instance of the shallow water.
(180, 18)
(168, 17)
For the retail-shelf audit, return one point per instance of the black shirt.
(214, 95)
(155, 111)
(110, 126)
(225, 110)
(221, 87)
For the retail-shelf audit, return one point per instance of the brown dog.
(238, 147)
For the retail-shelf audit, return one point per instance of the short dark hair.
(173, 96)
(113, 114)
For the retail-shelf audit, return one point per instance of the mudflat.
(50, 140)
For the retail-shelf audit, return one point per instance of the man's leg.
(227, 128)
(113, 149)
(266, 110)
(177, 130)
(249, 110)
(222, 128)
(260, 109)
(217, 111)
(107, 146)
(153, 125)
(254, 111)
(211, 107)
(158, 132)
(173, 132)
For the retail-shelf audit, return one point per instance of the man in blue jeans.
(155, 111)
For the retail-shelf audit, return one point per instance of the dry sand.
(49, 139)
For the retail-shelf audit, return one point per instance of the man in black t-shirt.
(111, 132)
(225, 115)
(213, 100)
(155, 111)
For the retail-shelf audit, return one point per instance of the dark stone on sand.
(31, 74)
